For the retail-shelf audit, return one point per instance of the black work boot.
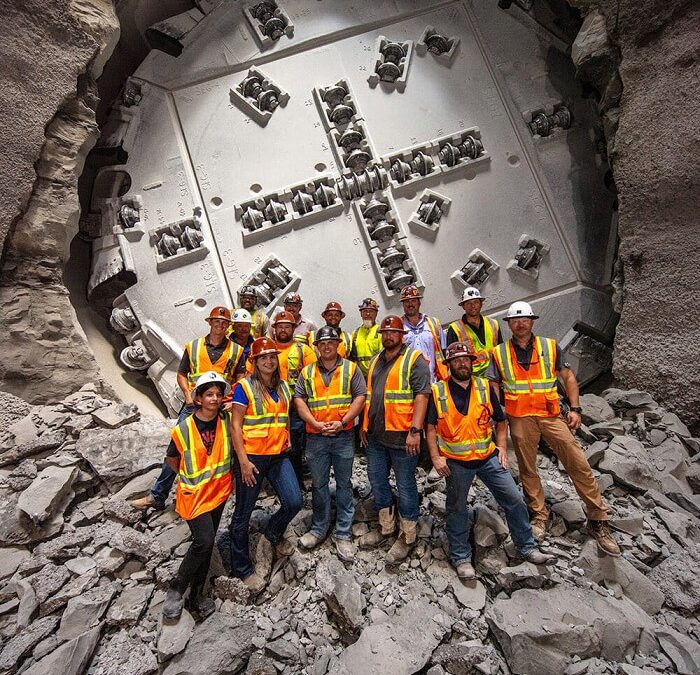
(199, 604)
(174, 602)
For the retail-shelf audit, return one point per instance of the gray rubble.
(83, 575)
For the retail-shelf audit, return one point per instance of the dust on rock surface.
(90, 590)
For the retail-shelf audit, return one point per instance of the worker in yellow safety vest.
(366, 341)
(248, 300)
(200, 451)
(479, 331)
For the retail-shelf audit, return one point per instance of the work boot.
(387, 527)
(537, 557)
(172, 607)
(254, 583)
(200, 605)
(345, 549)
(600, 531)
(404, 543)
(309, 540)
(465, 570)
(284, 548)
(539, 528)
(147, 502)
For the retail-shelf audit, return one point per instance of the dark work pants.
(195, 565)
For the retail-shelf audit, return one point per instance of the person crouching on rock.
(200, 451)
(462, 447)
(260, 429)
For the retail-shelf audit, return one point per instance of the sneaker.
(600, 531)
(254, 583)
(147, 502)
(465, 570)
(173, 605)
(309, 540)
(345, 549)
(537, 557)
(284, 548)
(539, 528)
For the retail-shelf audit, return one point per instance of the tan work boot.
(404, 543)
(146, 502)
(309, 540)
(284, 548)
(254, 583)
(600, 531)
(345, 549)
(387, 527)
(465, 570)
(539, 528)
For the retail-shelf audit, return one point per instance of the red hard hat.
(263, 345)
(409, 292)
(333, 307)
(219, 313)
(392, 323)
(283, 317)
(459, 349)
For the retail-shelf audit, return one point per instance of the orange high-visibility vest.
(328, 404)
(343, 348)
(204, 479)
(265, 421)
(464, 437)
(398, 396)
(530, 392)
(441, 370)
(293, 357)
(200, 362)
(465, 333)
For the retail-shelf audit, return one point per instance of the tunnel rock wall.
(654, 145)
(51, 54)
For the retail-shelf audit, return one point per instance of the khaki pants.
(526, 433)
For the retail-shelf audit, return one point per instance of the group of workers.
(259, 397)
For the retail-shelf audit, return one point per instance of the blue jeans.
(164, 483)
(297, 441)
(322, 452)
(280, 474)
(380, 460)
(502, 486)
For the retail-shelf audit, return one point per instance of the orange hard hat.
(392, 322)
(219, 313)
(457, 350)
(410, 292)
(262, 345)
(283, 317)
(333, 307)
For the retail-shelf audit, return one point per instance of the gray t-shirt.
(420, 384)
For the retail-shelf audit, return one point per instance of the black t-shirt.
(480, 331)
(214, 352)
(207, 430)
(461, 396)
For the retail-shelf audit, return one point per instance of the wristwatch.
(414, 430)
(576, 410)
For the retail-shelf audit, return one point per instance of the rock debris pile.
(83, 574)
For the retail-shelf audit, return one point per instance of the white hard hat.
(471, 293)
(212, 377)
(241, 316)
(520, 310)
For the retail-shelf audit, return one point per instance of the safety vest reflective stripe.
(200, 362)
(260, 416)
(190, 474)
(328, 403)
(257, 328)
(466, 333)
(505, 357)
(465, 437)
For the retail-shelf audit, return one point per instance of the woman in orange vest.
(260, 430)
(200, 452)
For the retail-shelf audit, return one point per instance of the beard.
(462, 376)
(367, 323)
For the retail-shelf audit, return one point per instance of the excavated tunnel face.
(344, 150)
